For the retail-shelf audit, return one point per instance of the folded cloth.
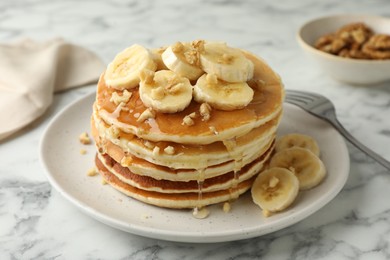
(30, 72)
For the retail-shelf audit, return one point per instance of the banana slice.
(297, 140)
(221, 94)
(309, 169)
(229, 64)
(165, 91)
(183, 58)
(275, 189)
(156, 55)
(123, 71)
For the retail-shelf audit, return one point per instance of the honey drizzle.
(230, 145)
(199, 211)
(237, 170)
(201, 177)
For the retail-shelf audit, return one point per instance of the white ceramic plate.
(66, 170)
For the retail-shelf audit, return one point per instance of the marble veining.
(36, 222)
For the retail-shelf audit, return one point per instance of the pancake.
(142, 167)
(189, 156)
(219, 182)
(174, 200)
(265, 105)
(180, 156)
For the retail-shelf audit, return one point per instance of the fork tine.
(308, 95)
(297, 100)
(305, 98)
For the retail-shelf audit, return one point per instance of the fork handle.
(359, 145)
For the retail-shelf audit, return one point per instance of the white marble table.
(36, 222)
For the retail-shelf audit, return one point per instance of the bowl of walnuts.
(351, 48)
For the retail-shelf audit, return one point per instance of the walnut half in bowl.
(350, 48)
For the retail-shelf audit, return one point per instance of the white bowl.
(353, 71)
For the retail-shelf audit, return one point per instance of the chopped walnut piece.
(205, 111)
(191, 52)
(198, 45)
(378, 47)
(148, 144)
(226, 207)
(116, 99)
(213, 129)
(176, 89)
(113, 131)
(148, 113)
(359, 36)
(188, 119)
(158, 93)
(118, 110)
(172, 83)
(156, 150)
(192, 115)
(324, 43)
(84, 138)
(192, 57)
(92, 172)
(355, 33)
(83, 151)
(337, 45)
(126, 161)
(169, 150)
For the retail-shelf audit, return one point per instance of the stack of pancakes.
(163, 162)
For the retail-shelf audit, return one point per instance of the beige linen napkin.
(30, 72)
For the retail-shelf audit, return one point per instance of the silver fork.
(323, 108)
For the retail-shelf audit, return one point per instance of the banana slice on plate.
(123, 71)
(183, 58)
(165, 91)
(297, 140)
(229, 64)
(275, 189)
(309, 169)
(221, 94)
